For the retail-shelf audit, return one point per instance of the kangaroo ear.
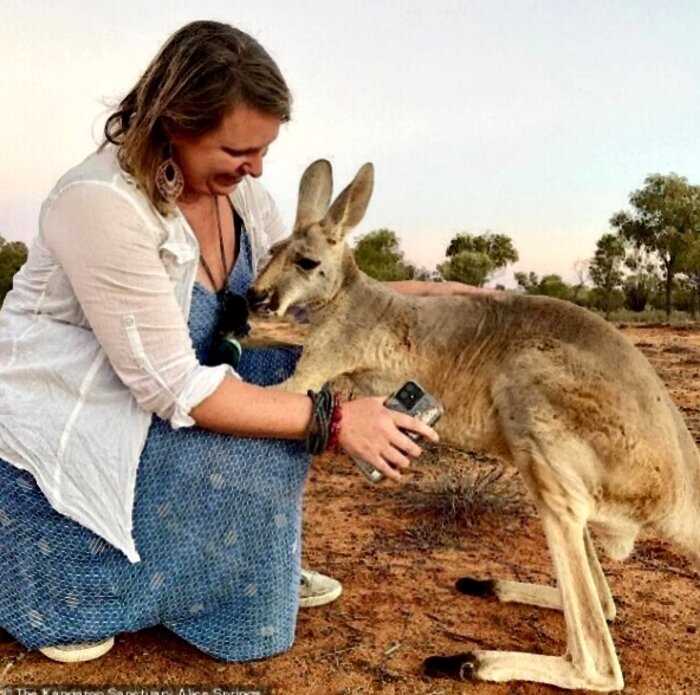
(350, 206)
(315, 191)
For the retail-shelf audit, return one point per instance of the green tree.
(529, 282)
(664, 219)
(598, 299)
(690, 265)
(606, 267)
(498, 247)
(469, 267)
(549, 285)
(378, 254)
(472, 258)
(13, 254)
(642, 281)
(554, 286)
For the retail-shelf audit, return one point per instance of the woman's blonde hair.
(204, 70)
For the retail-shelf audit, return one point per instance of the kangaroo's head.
(306, 270)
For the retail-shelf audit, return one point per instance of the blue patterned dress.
(217, 522)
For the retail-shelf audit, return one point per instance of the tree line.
(649, 259)
(13, 254)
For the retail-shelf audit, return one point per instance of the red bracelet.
(336, 417)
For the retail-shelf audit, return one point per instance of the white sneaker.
(84, 651)
(317, 589)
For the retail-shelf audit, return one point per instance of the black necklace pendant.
(232, 319)
(234, 314)
(232, 324)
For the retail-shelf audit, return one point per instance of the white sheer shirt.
(94, 339)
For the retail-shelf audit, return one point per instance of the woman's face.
(214, 163)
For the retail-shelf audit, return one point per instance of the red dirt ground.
(398, 560)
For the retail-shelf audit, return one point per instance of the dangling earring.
(169, 179)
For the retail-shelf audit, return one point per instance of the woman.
(174, 481)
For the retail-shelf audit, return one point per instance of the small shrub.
(463, 496)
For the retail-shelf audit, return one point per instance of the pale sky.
(534, 119)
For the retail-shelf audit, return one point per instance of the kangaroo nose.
(256, 298)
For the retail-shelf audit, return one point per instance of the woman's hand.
(371, 432)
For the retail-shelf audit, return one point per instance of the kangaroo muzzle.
(263, 302)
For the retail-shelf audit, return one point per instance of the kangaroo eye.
(307, 263)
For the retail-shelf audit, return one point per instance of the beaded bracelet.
(336, 417)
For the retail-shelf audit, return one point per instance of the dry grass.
(465, 496)
(652, 317)
(456, 493)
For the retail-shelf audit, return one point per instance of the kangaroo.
(543, 384)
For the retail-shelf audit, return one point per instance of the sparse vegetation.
(454, 493)
(650, 316)
(465, 496)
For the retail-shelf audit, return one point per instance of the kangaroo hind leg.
(590, 663)
(554, 464)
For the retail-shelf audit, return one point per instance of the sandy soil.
(398, 552)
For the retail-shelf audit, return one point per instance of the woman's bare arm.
(369, 430)
(237, 407)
